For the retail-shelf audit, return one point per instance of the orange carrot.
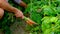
(29, 21)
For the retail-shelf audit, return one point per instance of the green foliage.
(50, 24)
(46, 13)
(6, 21)
(26, 1)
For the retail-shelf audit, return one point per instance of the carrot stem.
(29, 21)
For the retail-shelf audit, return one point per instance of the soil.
(17, 28)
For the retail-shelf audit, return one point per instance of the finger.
(22, 17)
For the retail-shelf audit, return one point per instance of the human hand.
(19, 14)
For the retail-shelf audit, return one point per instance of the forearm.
(7, 6)
(21, 3)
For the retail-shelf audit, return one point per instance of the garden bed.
(46, 13)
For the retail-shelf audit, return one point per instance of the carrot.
(29, 21)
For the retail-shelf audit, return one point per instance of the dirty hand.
(19, 14)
